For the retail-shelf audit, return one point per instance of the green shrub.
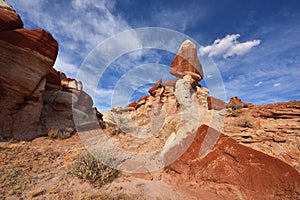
(88, 168)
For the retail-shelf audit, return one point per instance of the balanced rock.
(186, 62)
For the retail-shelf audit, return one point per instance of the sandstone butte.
(36, 98)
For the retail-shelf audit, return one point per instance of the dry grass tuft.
(88, 168)
(245, 123)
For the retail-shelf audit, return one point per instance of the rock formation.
(246, 173)
(236, 103)
(9, 19)
(272, 129)
(187, 62)
(34, 96)
(178, 121)
(181, 116)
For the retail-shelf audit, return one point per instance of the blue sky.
(255, 44)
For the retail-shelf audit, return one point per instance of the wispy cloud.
(276, 85)
(228, 46)
(258, 84)
(77, 25)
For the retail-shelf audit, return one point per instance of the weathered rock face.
(247, 172)
(187, 62)
(272, 129)
(9, 19)
(34, 97)
(26, 57)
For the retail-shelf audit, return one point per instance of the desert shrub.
(235, 112)
(113, 129)
(88, 168)
(57, 133)
(245, 123)
(13, 181)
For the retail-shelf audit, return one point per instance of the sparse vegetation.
(245, 123)
(113, 129)
(14, 180)
(234, 110)
(116, 197)
(60, 134)
(88, 168)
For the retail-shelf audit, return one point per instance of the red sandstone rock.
(143, 98)
(215, 104)
(132, 104)
(186, 61)
(254, 174)
(155, 87)
(53, 77)
(9, 20)
(35, 103)
(236, 102)
(36, 40)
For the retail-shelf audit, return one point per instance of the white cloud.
(77, 25)
(228, 46)
(258, 83)
(276, 84)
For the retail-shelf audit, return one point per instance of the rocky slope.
(273, 129)
(30, 105)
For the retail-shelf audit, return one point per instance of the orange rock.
(132, 104)
(236, 102)
(36, 40)
(155, 87)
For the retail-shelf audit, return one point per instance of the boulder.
(186, 61)
(215, 104)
